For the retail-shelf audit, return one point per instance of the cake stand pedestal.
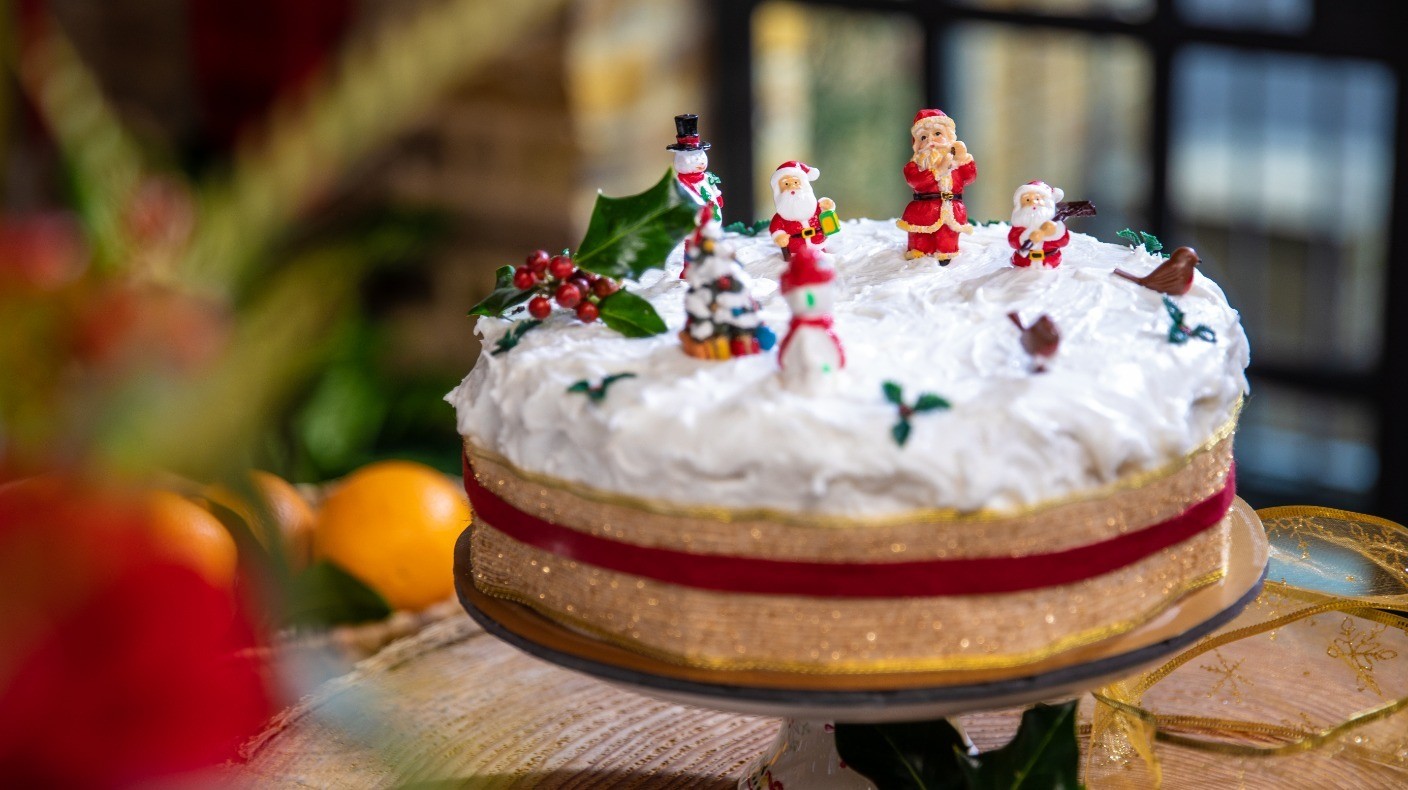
(804, 754)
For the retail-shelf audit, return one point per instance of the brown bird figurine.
(1173, 277)
(1040, 340)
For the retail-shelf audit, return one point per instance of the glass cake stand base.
(804, 754)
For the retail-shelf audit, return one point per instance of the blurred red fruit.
(523, 279)
(568, 295)
(537, 261)
(539, 307)
(604, 287)
(561, 267)
(588, 312)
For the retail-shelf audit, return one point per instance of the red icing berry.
(523, 278)
(561, 267)
(603, 287)
(587, 312)
(538, 261)
(568, 295)
(539, 307)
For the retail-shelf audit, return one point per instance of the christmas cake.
(1014, 462)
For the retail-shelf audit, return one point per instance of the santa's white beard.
(798, 205)
(929, 158)
(1031, 217)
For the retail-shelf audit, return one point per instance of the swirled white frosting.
(1118, 398)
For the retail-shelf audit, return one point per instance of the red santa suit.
(936, 215)
(800, 234)
(1050, 253)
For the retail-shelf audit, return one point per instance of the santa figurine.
(811, 354)
(1038, 233)
(939, 171)
(692, 164)
(797, 225)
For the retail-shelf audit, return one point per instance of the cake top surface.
(1118, 398)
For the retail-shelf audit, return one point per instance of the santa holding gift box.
(811, 354)
(801, 221)
(1037, 234)
(938, 173)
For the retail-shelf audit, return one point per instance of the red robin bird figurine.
(1173, 277)
(1040, 340)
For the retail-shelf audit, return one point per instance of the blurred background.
(1266, 133)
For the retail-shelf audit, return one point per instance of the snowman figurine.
(811, 354)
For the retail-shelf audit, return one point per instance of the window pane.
(1128, 10)
(837, 90)
(1280, 177)
(1273, 16)
(1068, 108)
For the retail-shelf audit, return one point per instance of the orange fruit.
(393, 524)
(292, 514)
(188, 533)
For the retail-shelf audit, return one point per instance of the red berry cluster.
(557, 276)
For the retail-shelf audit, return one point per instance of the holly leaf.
(893, 393)
(744, 229)
(628, 236)
(326, 595)
(919, 755)
(630, 315)
(1043, 754)
(510, 339)
(1129, 235)
(901, 432)
(929, 401)
(503, 298)
(581, 386)
(1150, 241)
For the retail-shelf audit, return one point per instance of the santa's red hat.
(806, 267)
(1054, 194)
(792, 167)
(926, 117)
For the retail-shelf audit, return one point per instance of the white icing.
(1119, 398)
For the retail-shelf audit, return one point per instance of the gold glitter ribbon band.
(961, 576)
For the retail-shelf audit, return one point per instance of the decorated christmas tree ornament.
(811, 354)
(1173, 277)
(721, 315)
(1040, 340)
(692, 164)
(938, 173)
(1038, 232)
(801, 220)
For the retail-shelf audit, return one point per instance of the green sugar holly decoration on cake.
(625, 238)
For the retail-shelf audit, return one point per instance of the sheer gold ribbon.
(1306, 688)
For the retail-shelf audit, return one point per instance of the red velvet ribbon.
(967, 576)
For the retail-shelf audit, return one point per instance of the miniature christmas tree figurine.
(938, 173)
(1039, 223)
(801, 221)
(721, 315)
(692, 164)
(811, 353)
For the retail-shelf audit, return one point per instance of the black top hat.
(687, 134)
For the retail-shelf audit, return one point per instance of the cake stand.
(804, 754)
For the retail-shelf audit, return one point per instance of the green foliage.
(920, 755)
(1179, 332)
(1043, 755)
(631, 235)
(326, 595)
(630, 315)
(511, 338)
(744, 229)
(927, 401)
(1137, 237)
(598, 393)
(503, 298)
(932, 755)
